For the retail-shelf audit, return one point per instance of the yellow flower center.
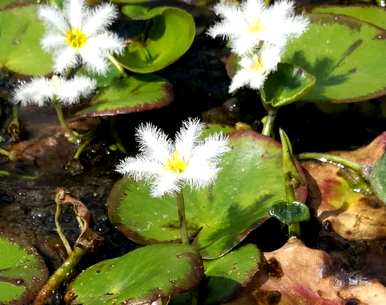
(176, 163)
(76, 38)
(255, 27)
(257, 64)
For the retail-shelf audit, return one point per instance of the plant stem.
(116, 137)
(269, 123)
(81, 148)
(14, 126)
(116, 64)
(327, 158)
(59, 228)
(69, 133)
(61, 274)
(8, 154)
(182, 217)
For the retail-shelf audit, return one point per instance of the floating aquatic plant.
(258, 35)
(59, 91)
(78, 34)
(170, 166)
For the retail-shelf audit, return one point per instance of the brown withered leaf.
(298, 275)
(352, 214)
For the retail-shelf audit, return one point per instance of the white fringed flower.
(41, 90)
(168, 166)
(255, 67)
(79, 35)
(251, 23)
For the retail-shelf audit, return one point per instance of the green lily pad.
(230, 273)
(22, 271)
(290, 212)
(20, 37)
(170, 35)
(141, 276)
(129, 94)
(219, 216)
(378, 178)
(345, 55)
(286, 85)
(368, 13)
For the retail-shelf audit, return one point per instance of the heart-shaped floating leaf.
(350, 211)
(345, 55)
(226, 276)
(170, 35)
(220, 216)
(130, 94)
(142, 276)
(368, 13)
(20, 36)
(290, 212)
(230, 273)
(378, 178)
(22, 271)
(286, 85)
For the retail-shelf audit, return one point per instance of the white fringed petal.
(248, 76)
(53, 17)
(153, 142)
(38, 91)
(42, 90)
(99, 19)
(75, 12)
(92, 23)
(70, 91)
(187, 137)
(65, 58)
(156, 151)
(252, 23)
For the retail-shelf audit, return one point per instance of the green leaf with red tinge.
(129, 94)
(142, 276)
(219, 216)
(345, 55)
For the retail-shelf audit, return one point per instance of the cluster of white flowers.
(169, 165)
(258, 35)
(76, 35)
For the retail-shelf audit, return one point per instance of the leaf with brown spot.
(352, 214)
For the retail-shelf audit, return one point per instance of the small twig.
(86, 241)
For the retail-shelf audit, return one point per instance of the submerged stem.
(182, 217)
(327, 158)
(7, 153)
(60, 275)
(269, 122)
(69, 133)
(63, 238)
